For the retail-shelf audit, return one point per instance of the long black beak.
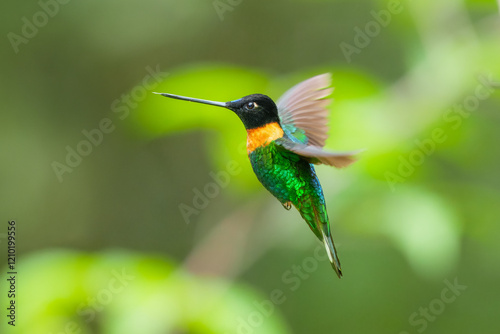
(185, 98)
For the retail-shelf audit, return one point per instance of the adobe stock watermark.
(424, 315)
(121, 107)
(95, 304)
(363, 37)
(427, 146)
(223, 6)
(203, 195)
(292, 278)
(31, 25)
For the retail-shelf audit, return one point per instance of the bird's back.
(290, 179)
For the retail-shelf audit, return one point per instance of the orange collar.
(263, 136)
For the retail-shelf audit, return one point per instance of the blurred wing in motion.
(317, 155)
(302, 110)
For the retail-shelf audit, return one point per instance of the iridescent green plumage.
(286, 175)
(290, 178)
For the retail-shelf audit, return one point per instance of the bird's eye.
(250, 105)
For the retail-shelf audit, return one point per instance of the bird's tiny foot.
(287, 205)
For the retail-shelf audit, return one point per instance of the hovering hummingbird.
(284, 141)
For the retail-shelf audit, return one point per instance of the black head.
(254, 110)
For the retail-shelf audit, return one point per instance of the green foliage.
(122, 292)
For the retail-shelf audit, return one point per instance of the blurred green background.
(122, 227)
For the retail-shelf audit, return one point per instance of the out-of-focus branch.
(221, 252)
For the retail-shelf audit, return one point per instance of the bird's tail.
(317, 219)
(330, 249)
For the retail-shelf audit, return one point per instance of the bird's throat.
(263, 136)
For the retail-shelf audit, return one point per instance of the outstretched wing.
(302, 110)
(317, 155)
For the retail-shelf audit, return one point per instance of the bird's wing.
(317, 155)
(302, 110)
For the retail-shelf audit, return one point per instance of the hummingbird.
(284, 141)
